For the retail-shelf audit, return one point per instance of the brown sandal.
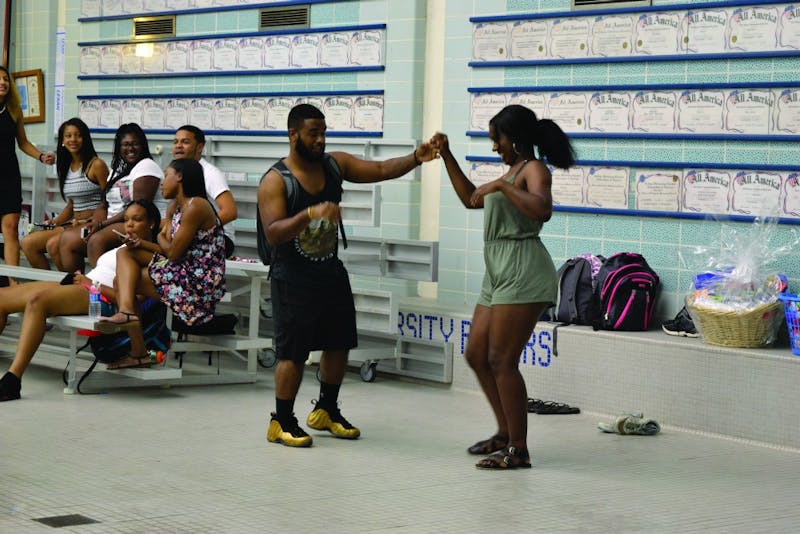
(508, 458)
(107, 326)
(130, 362)
(488, 446)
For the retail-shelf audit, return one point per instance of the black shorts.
(312, 319)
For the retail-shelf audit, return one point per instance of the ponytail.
(554, 144)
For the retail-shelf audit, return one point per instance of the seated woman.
(134, 176)
(185, 270)
(81, 180)
(40, 300)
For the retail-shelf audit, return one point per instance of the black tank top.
(311, 258)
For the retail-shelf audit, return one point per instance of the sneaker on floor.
(681, 325)
(331, 419)
(290, 433)
(10, 387)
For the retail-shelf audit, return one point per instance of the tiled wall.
(667, 243)
(663, 241)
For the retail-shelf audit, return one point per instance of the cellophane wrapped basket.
(752, 327)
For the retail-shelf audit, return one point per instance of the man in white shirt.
(189, 142)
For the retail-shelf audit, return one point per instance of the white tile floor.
(195, 460)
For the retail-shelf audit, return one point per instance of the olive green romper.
(519, 270)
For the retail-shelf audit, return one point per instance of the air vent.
(608, 4)
(152, 27)
(273, 18)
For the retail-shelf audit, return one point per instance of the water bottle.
(94, 302)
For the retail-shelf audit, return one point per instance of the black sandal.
(508, 458)
(488, 446)
(107, 326)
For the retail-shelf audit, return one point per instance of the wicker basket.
(754, 327)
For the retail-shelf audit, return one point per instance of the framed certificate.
(31, 94)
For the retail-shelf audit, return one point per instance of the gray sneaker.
(681, 325)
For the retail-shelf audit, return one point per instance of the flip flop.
(130, 362)
(107, 326)
(557, 408)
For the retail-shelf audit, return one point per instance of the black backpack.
(109, 348)
(332, 170)
(576, 304)
(626, 292)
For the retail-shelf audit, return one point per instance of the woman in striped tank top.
(81, 179)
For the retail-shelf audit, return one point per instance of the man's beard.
(307, 153)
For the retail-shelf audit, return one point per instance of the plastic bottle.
(94, 302)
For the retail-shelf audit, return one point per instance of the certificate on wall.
(251, 52)
(536, 102)
(568, 110)
(483, 172)
(202, 55)
(490, 41)
(110, 60)
(277, 52)
(111, 8)
(568, 186)
(154, 5)
(704, 31)
(368, 113)
(484, 107)
(253, 114)
(90, 60)
(155, 63)
(90, 113)
(178, 56)
(154, 114)
(611, 35)
(225, 110)
(753, 29)
(110, 113)
(304, 51)
(529, 39)
(176, 5)
(658, 190)
(787, 111)
(791, 195)
(225, 52)
(132, 111)
(338, 112)
(201, 113)
(131, 63)
(568, 38)
(177, 113)
(701, 111)
(706, 191)
(748, 111)
(278, 108)
(366, 48)
(334, 49)
(316, 101)
(90, 8)
(654, 111)
(133, 6)
(789, 27)
(607, 187)
(756, 193)
(609, 112)
(657, 33)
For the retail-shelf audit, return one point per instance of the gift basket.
(736, 302)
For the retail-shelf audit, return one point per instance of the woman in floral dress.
(185, 269)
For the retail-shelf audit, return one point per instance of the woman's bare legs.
(48, 301)
(103, 241)
(10, 225)
(477, 356)
(71, 251)
(14, 298)
(133, 279)
(34, 245)
(509, 330)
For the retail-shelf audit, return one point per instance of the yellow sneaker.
(332, 421)
(293, 436)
